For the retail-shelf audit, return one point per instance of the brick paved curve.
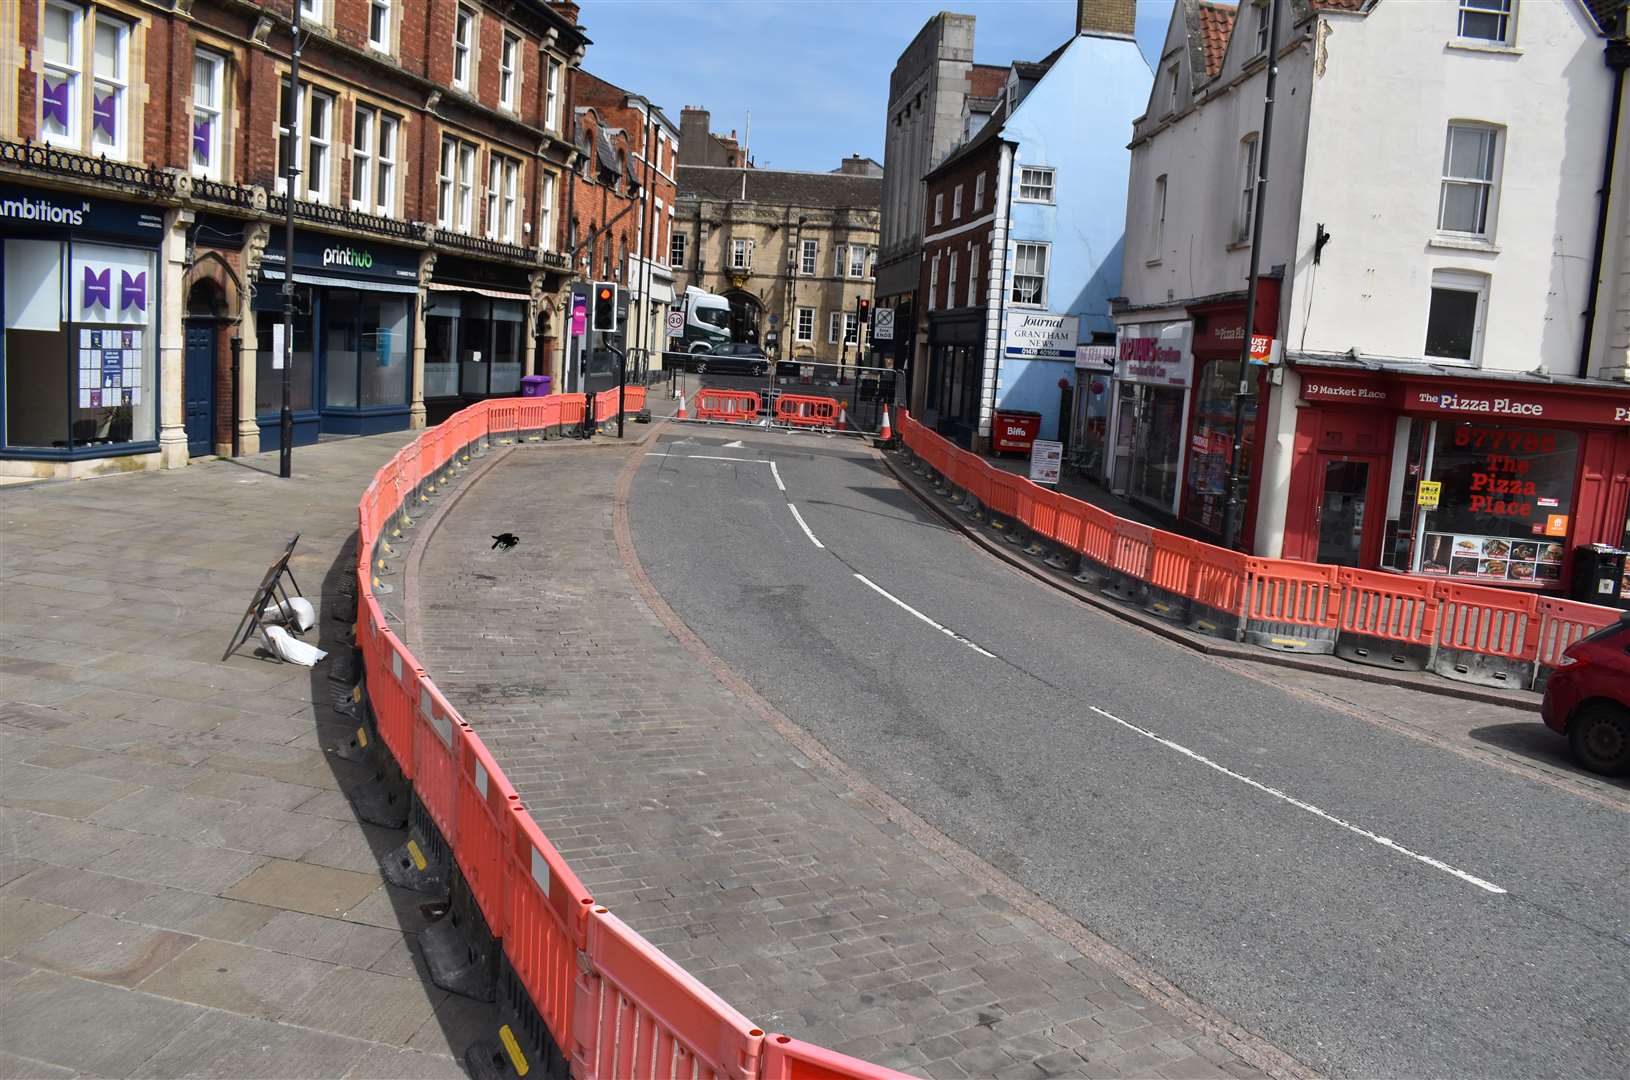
(757, 868)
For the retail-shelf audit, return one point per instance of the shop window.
(271, 368)
(441, 319)
(365, 349)
(1454, 322)
(1467, 193)
(79, 344)
(1505, 507)
(1211, 445)
(208, 113)
(1486, 20)
(1030, 274)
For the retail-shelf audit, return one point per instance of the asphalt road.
(1372, 904)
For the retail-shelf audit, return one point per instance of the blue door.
(199, 388)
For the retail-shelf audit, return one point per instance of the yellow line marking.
(507, 1037)
(415, 854)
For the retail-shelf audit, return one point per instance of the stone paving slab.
(184, 889)
(752, 865)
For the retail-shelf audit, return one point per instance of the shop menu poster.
(110, 366)
(1492, 558)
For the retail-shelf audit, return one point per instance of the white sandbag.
(286, 647)
(298, 611)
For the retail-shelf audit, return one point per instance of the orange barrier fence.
(731, 406)
(1466, 632)
(610, 1002)
(786, 1058)
(803, 410)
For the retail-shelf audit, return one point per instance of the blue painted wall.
(1076, 120)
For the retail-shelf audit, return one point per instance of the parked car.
(735, 358)
(1588, 699)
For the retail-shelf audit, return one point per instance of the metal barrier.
(729, 406)
(1487, 636)
(1386, 619)
(1292, 606)
(1561, 623)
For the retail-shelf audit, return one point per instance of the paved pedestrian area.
(754, 865)
(184, 890)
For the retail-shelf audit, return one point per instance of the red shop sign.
(1519, 403)
(1344, 391)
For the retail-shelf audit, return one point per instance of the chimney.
(1111, 18)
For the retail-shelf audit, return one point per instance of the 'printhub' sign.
(349, 258)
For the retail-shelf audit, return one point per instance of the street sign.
(883, 324)
(1428, 494)
(1046, 455)
(676, 323)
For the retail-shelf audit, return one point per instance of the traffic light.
(603, 314)
(863, 309)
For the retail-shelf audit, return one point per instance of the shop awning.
(343, 283)
(495, 294)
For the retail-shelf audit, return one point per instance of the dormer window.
(1260, 13)
(1171, 89)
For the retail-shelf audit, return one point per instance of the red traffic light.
(605, 294)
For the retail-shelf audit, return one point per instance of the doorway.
(198, 387)
(1344, 514)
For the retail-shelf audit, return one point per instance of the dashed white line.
(804, 526)
(1385, 842)
(775, 472)
(895, 600)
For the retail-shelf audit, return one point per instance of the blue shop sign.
(47, 209)
(343, 257)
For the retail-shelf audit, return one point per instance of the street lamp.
(285, 425)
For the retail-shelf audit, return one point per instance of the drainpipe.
(1617, 58)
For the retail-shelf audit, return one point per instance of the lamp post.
(285, 426)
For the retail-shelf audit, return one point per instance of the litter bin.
(534, 386)
(1014, 431)
(1598, 574)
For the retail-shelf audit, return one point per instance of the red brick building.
(431, 145)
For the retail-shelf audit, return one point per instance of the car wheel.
(1599, 734)
(701, 367)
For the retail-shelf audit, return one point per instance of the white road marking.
(737, 445)
(804, 526)
(895, 600)
(1385, 842)
(775, 472)
(712, 457)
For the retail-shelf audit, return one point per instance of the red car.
(1588, 699)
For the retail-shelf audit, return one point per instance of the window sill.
(1239, 245)
(1463, 243)
(1478, 46)
(1036, 202)
(1151, 262)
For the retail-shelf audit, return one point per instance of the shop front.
(1485, 480)
(1091, 405)
(1154, 369)
(956, 370)
(354, 305)
(81, 281)
(476, 324)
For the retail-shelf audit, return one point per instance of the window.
(676, 250)
(495, 170)
(546, 214)
(311, 10)
(741, 254)
(844, 319)
(379, 24)
(1259, 15)
(1454, 323)
(871, 262)
(979, 193)
(455, 185)
(939, 208)
(950, 283)
(973, 277)
(63, 53)
(933, 283)
(446, 177)
(1486, 20)
(385, 168)
(463, 43)
(316, 133)
(956, 203)
(466, 188)
(1171, 89)
(1157, 220)
(512, 199)
(1247, 197)
(509, 56)
(551, 96)
(1029, 274)
(805, 330)
(208, 88)
(1036, 185)
(857, 261)
(1468, 180)
(362, 158)
(837, 260)
(110, 88)
(807, 258)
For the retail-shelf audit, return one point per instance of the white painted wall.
(1392, 82)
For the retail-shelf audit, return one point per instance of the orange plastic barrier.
(1132, 549)
(786, 1058)
(485, 815)
(1494, 622)
(1563, 622)
(803, 410)
(1379, 608)
(438, 743)
(1293, 606)
(392, 672)
(731, 406)
(1218, 586)
(639, 1014)
(546, 926)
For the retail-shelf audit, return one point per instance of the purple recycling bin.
(534, 386)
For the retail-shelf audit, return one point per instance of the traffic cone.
(680, 415)
(843, 418)
(887, 434)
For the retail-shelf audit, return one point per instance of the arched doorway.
(206, 308)
(745, 313)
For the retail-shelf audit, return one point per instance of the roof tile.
(1216, 20)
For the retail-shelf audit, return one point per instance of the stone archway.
(746, 316)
